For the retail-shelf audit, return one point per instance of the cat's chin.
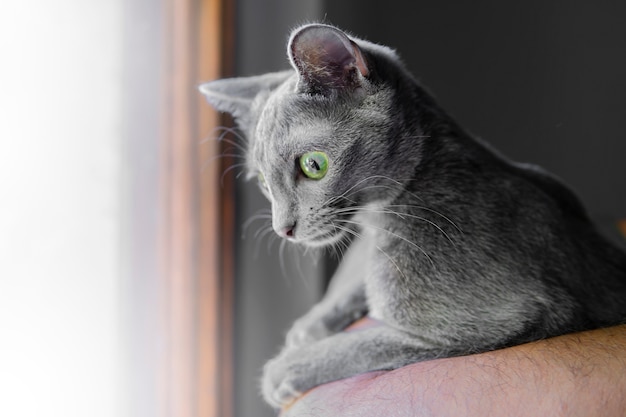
(323, 240)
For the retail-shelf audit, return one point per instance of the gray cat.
(454, 248)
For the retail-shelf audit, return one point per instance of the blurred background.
(129, 285)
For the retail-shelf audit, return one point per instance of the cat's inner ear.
(326, 59)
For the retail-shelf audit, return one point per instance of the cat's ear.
(326, 59)
(236, 95)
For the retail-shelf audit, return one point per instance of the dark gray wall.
(543, 82)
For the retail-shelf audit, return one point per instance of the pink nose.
(287, 232)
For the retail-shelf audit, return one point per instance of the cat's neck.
(444, 140)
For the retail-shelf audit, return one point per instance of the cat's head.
(326, 138)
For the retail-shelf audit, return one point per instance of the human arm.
(578, 374)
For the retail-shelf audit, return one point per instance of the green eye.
(262, 182)
(314, 164)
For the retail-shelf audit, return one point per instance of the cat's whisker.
(358, 235)
(210, 136)
(230, 168)
(362, 224)
(344, 246)
(356, 209)
(273, 239)
(430, 210)
(301, 274)
(336, 248)
(397, 183)
(281, 261)
(403, 216)
(348, 230)
(258, 237)
(238, 135)
(230, 150)
(349, 190)
(388, 210)
(208, 162)
(222, 137)
(353, 190)
(412, 216)
(393, 262)
(263, 214)
(265, 231)
(369, 187)
(400, 184)
(234, 145)
(349, 210)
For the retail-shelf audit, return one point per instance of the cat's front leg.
(344, 302)
(328, 317)
(295, 371)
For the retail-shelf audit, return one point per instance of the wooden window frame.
(197, 216)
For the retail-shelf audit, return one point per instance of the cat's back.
(599, 281)
(567, 201)
(522, 217)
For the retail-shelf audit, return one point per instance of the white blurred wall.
(60, 116)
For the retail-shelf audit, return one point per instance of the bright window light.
(59, 208)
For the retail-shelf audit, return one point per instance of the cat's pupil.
(313, 164)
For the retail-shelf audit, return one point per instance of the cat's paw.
(282, 395)
(284, 379)
(306, 330)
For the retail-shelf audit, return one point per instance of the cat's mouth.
(325, 238)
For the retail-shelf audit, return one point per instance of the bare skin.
(581, 374)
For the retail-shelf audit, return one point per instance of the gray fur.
(456, 250)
